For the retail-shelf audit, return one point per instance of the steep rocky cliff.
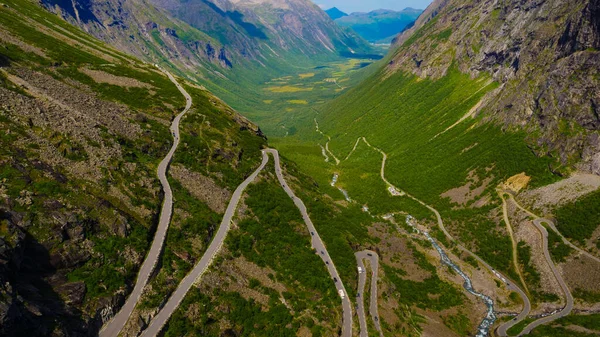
(139, 28)
(545, 54)
(201, 33)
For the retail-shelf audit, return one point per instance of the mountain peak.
(334, 13)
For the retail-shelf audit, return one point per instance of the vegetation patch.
(579, 219)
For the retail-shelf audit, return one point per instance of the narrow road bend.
(186, 284)
(552, 226)
(362, 280)
(511, 234)
(569, 298)
(116, 324)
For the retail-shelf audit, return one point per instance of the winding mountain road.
(319, 247)
(511, 234)
(186, 284)
(553, 227)
(544, 234)
(569, 298)
(395, 191)
(116, 324)
(362, 280)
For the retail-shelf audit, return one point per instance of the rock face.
(250, 28)
(530, 47)
(205, 34)
(140, 29)
(30, 289)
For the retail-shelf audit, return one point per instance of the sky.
(350, 6)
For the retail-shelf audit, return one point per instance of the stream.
(490, 318)
(344, 192)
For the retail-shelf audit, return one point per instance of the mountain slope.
(232, 48)
(381, 25)
(290, 28)
(467, 99)
(529, 49)
(79, 120)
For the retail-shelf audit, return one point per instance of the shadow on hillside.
(34, 307)
(81, 9)
(238, 18)
(4, 61)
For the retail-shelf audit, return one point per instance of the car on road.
(341, 292)
(360, 270)
(312, 233)
(322, 253)
(369, 254)
(327, 262)
(335, 279)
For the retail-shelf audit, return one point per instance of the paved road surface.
(553, 227)
(568, 297)
(569, 306)
(362, 280)
(319, 246)
(186, 284)
(116, 324)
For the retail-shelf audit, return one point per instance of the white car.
(341, 292)
(360, 270)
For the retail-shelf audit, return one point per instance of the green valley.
(253, 168)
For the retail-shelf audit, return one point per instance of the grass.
(275, 237)
(561, 327)
(412, 120)
(558, 249)
(459, 323)
(579, 219)
(288, 88)
(111, 265)
(298, 101)
(517, 328)
(306, 75)
(430, 294)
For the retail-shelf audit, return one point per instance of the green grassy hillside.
(84, 128)
(414, 121)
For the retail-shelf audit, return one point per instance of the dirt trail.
(515, 254)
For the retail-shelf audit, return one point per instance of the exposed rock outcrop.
(544, 53)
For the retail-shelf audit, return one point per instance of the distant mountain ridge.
(334, 13)
(227, 45)
(379, 26)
